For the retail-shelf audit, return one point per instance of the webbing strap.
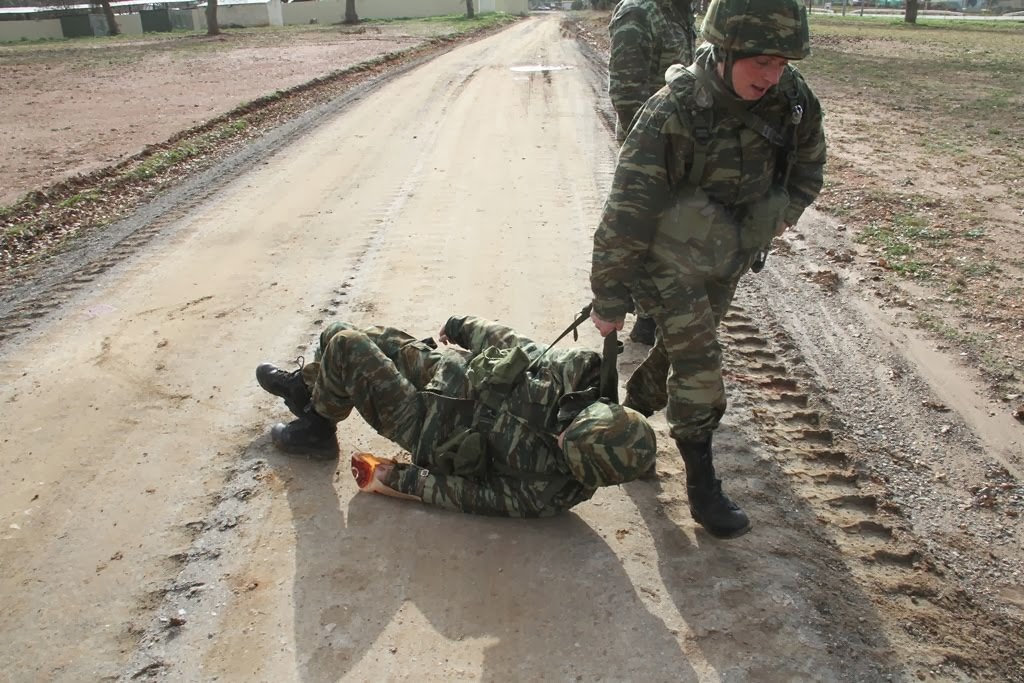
(609, 355)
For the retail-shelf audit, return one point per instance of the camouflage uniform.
(419, 397)
(647, 37)
(653, 210)
(703, 180)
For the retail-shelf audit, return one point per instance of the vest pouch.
(497, 367)
(464, 455)
(696, 238)
(761, 218)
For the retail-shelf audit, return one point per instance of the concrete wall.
(333, 11)
(130, 24)
(512, 6)
(182, 19)
(32, 29)
(243, 15)
(274, 13)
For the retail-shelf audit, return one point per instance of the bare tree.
(350, 12)
(108, 12)
(212, 27)
(911, 16)
(469, 9)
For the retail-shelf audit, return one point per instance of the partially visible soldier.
(511, 428)
(647, 37)
(723, 158)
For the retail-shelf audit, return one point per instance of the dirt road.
(151, 531)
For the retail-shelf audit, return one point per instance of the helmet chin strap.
(727, 58)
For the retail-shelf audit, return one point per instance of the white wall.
(333, 11)
(512, 6)
(275, 13)
(30, 29)
(243, 15)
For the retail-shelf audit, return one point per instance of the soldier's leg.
(696, 397)
(353, 371)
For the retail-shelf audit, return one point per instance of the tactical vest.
(495, 374)
(757, 222)
(702, 115)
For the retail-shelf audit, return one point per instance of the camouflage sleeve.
(629, 65)
(495, 496)
(476, 334)
(805, 179)
(640, 193)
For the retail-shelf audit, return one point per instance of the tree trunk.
(469, 9)
(108, 12)
(350, 12)
(212, 27)
(911, 16)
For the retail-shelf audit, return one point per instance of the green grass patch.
(161, 161)
(978, 268)
(900, 239)
(87, 196)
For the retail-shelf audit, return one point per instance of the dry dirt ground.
(73, 107)
(151, 531)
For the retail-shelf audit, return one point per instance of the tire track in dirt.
(92, 255)
(927, 616)
(929, 613)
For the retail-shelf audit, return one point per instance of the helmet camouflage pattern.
(777, 28)
(607, 444)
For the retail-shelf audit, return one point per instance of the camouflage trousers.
(695, 263)
(379, 371)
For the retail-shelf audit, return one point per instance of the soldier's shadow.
(549, 596)
(760, 607)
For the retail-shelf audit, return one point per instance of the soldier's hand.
(383, 472)
(606, 327)
(441, 336)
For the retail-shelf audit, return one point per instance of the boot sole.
(308, 451)
(729, 534)
(722, 534)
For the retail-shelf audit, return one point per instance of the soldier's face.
(754, 76)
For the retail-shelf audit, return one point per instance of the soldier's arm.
(805, 179)
(629, 65)
(640, 193)
(495, 496)
(476, 334)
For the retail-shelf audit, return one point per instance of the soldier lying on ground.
(509, 428)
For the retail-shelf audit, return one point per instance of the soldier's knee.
(340, 340)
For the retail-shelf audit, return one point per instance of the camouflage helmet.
(777, 28)
(607, 444)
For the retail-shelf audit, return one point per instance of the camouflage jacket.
(647, 37)
(524, 456)
(740, 169)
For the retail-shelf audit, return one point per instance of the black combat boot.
(312, 435)
(709, 506)
(643, 330)
(288, 385)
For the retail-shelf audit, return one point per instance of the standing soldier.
(647, 37)
(723, 158)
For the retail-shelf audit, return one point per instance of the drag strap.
(609, 355)
(609, 368)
